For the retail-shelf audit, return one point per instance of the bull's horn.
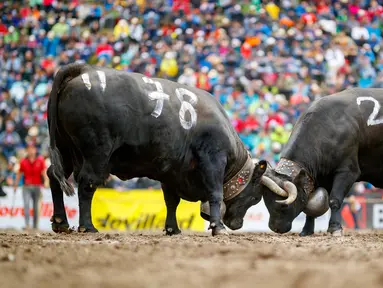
(291, 190)
(318, 203)
(270, 183)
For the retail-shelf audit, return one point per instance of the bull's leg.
(85, 196)
(172, 200)
(212, 172)
(342, 184)
(216, 224)
(95, 145)
(59, 219)
(308, 229)
(90, 177)
(211, 161)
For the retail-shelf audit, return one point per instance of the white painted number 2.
(186, 106)
(372, 118)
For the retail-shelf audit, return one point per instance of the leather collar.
(290, 168)
(239, 181)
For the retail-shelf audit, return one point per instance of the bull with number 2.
(103, 121)
(335, 143)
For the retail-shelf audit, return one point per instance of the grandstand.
(264, 60)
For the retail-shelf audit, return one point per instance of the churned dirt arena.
(192, 260)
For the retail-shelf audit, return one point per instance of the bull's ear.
(260, 168)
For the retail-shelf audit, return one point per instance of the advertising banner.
(140, 210)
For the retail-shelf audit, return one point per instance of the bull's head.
(286, 196)
(235, 205)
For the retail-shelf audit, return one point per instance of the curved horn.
(291, 190)
(269, 183)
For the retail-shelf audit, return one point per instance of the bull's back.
(354, 112)
(338, 127)
(147, 119)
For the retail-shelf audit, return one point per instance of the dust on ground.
(44, 260)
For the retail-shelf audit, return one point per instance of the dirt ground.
(43, 260)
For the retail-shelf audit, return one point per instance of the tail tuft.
(58, 172)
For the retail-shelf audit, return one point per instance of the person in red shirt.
(273, 117)
(323, 8)
(183, 5)
(105, 50)
(309, 18)
(34, 170)
(251, 123)
(3, 28)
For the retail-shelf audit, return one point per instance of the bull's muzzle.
(318, 203)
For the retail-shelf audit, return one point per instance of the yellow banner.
(140, 210)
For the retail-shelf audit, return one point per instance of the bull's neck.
(235, 163)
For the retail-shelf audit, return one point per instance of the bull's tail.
(58, 171)
(64, 75)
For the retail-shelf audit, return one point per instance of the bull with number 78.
(103, 121)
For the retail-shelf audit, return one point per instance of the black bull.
(103, 121)
(335, 143)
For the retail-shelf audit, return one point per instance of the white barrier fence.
(12, 214)
(257, 219)
(12, 210)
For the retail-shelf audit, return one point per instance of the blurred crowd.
(265, 61)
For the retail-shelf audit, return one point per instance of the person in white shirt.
(360, 33)
(335, 59)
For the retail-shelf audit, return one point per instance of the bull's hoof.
(335, 230)
(83, 229)
(172, 231)
(59, 225)
(306, 233)
(337, 233)
(219, 232)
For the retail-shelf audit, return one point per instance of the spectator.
(94, 15)
(50, 44)
(9, 140)
(355, 208)
(121, 30)
(8, 176)
(34, 171)
(136, 30)
(104, 51)
(61, 29)
(188, 77)
(279, 135)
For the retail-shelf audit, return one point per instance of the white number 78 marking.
(371, 119)
(186, 106)
(158, 95)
